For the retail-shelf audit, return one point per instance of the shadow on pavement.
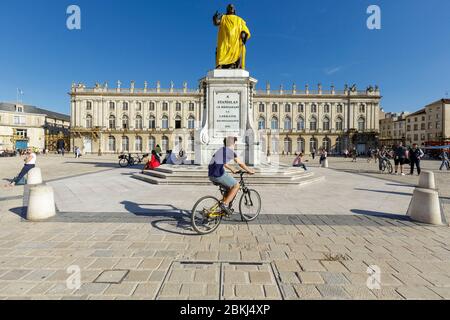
(96, 164)
(381, 214)
(388, 192)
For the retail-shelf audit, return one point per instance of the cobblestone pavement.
(298, 255)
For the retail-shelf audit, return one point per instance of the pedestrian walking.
(415, 155)
(399, 157)
(313, 153)
(354, 154)
(445, 159)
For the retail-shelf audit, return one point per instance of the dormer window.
(19, 108)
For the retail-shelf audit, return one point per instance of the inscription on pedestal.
(227, 114)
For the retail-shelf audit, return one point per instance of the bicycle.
(126, 160)
(386, 165)
(206, 214)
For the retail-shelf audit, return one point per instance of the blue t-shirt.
(219, 159)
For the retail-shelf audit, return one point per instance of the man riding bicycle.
(218, 175)
(383, 158)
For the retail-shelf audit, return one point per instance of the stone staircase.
(198, 175)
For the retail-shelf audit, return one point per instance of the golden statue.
(233, 34)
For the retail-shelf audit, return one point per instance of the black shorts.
(399, 161)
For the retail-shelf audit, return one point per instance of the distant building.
(393, 128)
(23, 126)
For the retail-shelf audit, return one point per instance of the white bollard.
(425, 207)
(34, 176)
(325, 163)
(426, 180)
(41, 203)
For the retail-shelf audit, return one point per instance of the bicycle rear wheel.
(389, 167)
(123, 163)
(250, 205)
(206, 215)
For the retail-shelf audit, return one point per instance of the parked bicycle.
(129, 160)
(207, 215)
(386, 166)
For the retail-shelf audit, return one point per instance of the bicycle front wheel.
(206, 215)
(250, 205)
(389, 167)
(123, 163)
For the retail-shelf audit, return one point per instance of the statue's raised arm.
(232, 37)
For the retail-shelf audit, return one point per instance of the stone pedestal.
(227, 110)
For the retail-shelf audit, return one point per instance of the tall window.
(125, 106)
(139, 123)
(152, 106)
(261, 107)
(178, 106)
(151, 143)
(300, 123)
(111, 143)
(300, 145)
(88, 106)
(326, 144)
(312, 144)
(125, 144)
(362, 108)
(326, 108)
(301, 108)
(191, 144)
(274, 145)
(138, 144)
(287, 123)
(178, 122)
(125, 124)
(165, 106)
(313, 124)
(191, 107)
(165, 122)
(326, 124)
(287, 107)
(313, 108)
(112, 122)
(274, 123)
(112, 106)
(191, 122)
(261, 123)
(274, 107)
(339, 108)
(88, 121)
(361, 124)
(152, 122)
(164, 144)
(338, 147)
(339, 124)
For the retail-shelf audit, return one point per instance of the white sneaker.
(403, 174)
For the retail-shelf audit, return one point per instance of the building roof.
(5, 106)
(416, 113)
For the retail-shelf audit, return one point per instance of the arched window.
(138, 122)
(274, 123)
(313, 144)
(361, 124)
(164, 144)
(313, 108)
(125, 106)
(179, 142)
(287, 123)
(339, 124)
(177, 122)
(88, 105)
(112, 106)
(112, 122)
(111, 143)
(125, 144)
(287, 145)
(326, 144)
(152, 122)
(88, 121)
(274, 107)
(191, 122)
(152, 106)
(261, 107)
(261, 123)
(326, 124)
(300, 124)
(165, 122)
(138, 144)
(313, 124)
(125, 124)
(151, 143)
(287, 107)
(300, 145)
(339, 108)
(326, 108)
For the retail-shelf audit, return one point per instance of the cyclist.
(383, 158)
(218, 175)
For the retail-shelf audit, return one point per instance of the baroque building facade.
(115, 120)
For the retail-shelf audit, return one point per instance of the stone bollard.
(34, 176)
(425, 207)
(41, 203)
(325, 163)
(426, 180)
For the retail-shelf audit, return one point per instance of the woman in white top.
(30, 163)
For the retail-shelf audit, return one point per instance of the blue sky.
(300, 42)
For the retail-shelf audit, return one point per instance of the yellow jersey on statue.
(233, 34)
